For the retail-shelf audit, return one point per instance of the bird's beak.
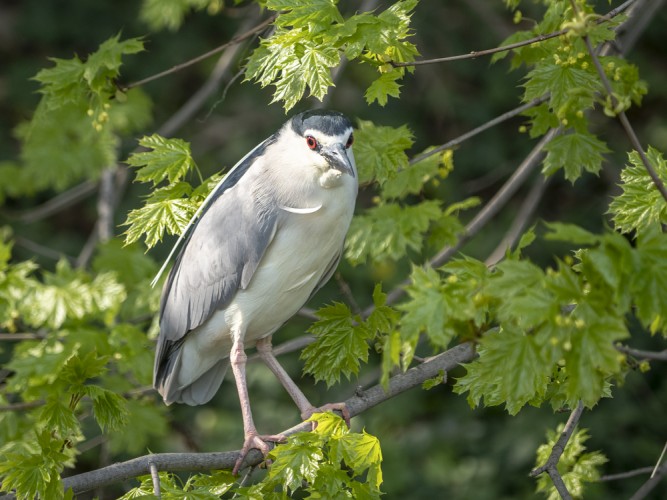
(337, 158)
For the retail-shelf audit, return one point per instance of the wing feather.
(220, 256)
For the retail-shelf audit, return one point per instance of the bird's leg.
(265, 351)
(252, 439)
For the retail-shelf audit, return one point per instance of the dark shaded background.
(434, 445)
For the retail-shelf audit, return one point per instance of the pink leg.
(238, 359)
(265, 351)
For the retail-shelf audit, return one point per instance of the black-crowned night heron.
(267, 238)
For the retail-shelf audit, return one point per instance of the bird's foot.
(254, 440)
(339, 407)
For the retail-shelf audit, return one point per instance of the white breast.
(307, 240)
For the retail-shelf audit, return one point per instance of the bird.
(268, 236)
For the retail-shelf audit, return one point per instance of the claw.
(259, 442)
(339, 407)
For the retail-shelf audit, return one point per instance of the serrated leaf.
(388, 231)
(154, 219)
(425, 312)
(102, 66)
(592, 356)
(299, 459)
(569, 87)
(108, 407)
(649, 282)
(413, 178)
(640, 205)
(380, 151)
(384, 87)
(339, 347)
(489, 379)
(571, 233)
(574, 152)
(167, 159)
(58, 417)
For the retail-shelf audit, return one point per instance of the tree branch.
(637, 353)
(648, 486)
(551, 465)
(477, 130)
(234, 41)
(518, 225)
(540, 38)
(203, 462)
(625, 123)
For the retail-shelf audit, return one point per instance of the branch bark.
(203, 462)
(551, 465)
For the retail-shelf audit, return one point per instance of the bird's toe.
(258, 442)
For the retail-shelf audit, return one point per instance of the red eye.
(350, 141)
(311, 142)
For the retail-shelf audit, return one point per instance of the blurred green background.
(434, 446)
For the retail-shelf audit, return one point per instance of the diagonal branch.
(504, 48)
(551, 465)
(234, 41)
(625, 123)
(204, 462)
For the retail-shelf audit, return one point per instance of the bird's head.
(323, 139)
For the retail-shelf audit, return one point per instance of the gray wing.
(219, 258)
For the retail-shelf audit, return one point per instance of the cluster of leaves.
(398, 223)
(330, 462)
(171, 207)
(73, 134)
(575, 466)
(311, 38)
(90, 351)
(563, 70)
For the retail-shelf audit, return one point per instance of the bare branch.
(21, 336)
(28, 405)
(477, 130)
(648, 486)
(234, 41)
(540, 38)
(518, 225)
(204, 462)
(56, 204)
(626, 475)
(637, 353)
(551, 465)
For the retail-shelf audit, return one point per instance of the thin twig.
(21, 336)
(625, 123)
(477, 130)
(518, 225)
(637, 353)
(657, 464)
(28, 405)
(204, 462)
(56, 204)
(234, 41)
(626, 475)
(539, 38)
(551, 465)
